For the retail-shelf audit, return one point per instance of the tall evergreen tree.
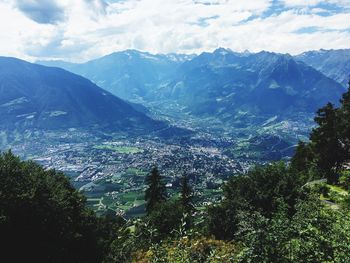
(186, 194)
(344, 114)
(303, 158)
(156, 191)
(327, 144)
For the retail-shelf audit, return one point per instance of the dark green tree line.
(44, 219)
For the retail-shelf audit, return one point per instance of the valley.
(111, 172)
(210, 116)
(110, 168)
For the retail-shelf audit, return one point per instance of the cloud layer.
(79, 30)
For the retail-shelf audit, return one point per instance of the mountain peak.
(222, 51)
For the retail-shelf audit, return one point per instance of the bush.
(344, 179)
(324, 190)
(163, 220)
(186, 250)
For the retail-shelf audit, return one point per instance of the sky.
(80, 30)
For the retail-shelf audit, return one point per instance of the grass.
(335, 197)
(338, 190)
(131, 196)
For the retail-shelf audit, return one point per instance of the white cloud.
(309, 3)
(90, 28)
(293, 3)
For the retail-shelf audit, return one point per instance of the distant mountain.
(228, 84)
(35, 96)
(128, 74)
(240, 93)
(333, 63)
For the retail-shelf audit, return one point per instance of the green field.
(118, 149)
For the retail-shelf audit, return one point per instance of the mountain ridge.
(35, 96)
(334, 63)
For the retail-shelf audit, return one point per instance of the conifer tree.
(327, 144)
(156, 191)
(186, 194)
(344, 114)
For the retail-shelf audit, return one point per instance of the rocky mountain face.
(332, 63)
(226, 83)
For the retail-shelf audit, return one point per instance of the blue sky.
(79, 30)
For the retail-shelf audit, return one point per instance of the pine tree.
(327, 145)
(186, 195)
(156, 191)
(344, 115)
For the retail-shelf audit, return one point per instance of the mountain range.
(128, 74)
(223, 84)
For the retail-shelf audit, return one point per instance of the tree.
(303, 158)
(186, 195)
(327, 144)
(262, 190)
(344, 114)
(315, 233)
(303, 163)
(265, 239)
(156, 191)
(165, 218)
(44, 219)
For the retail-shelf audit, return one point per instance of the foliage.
(321, 234)
(164, 219)
(122, 247)
(304, 162)
(44, 219)
(344, 179)
(156, 192)
(326, 143)
(344, 113)
(261, 189)
(329, 146)
(186, 250)
(314, 234)
(265, 239)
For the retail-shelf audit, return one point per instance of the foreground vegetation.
(297, 212)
